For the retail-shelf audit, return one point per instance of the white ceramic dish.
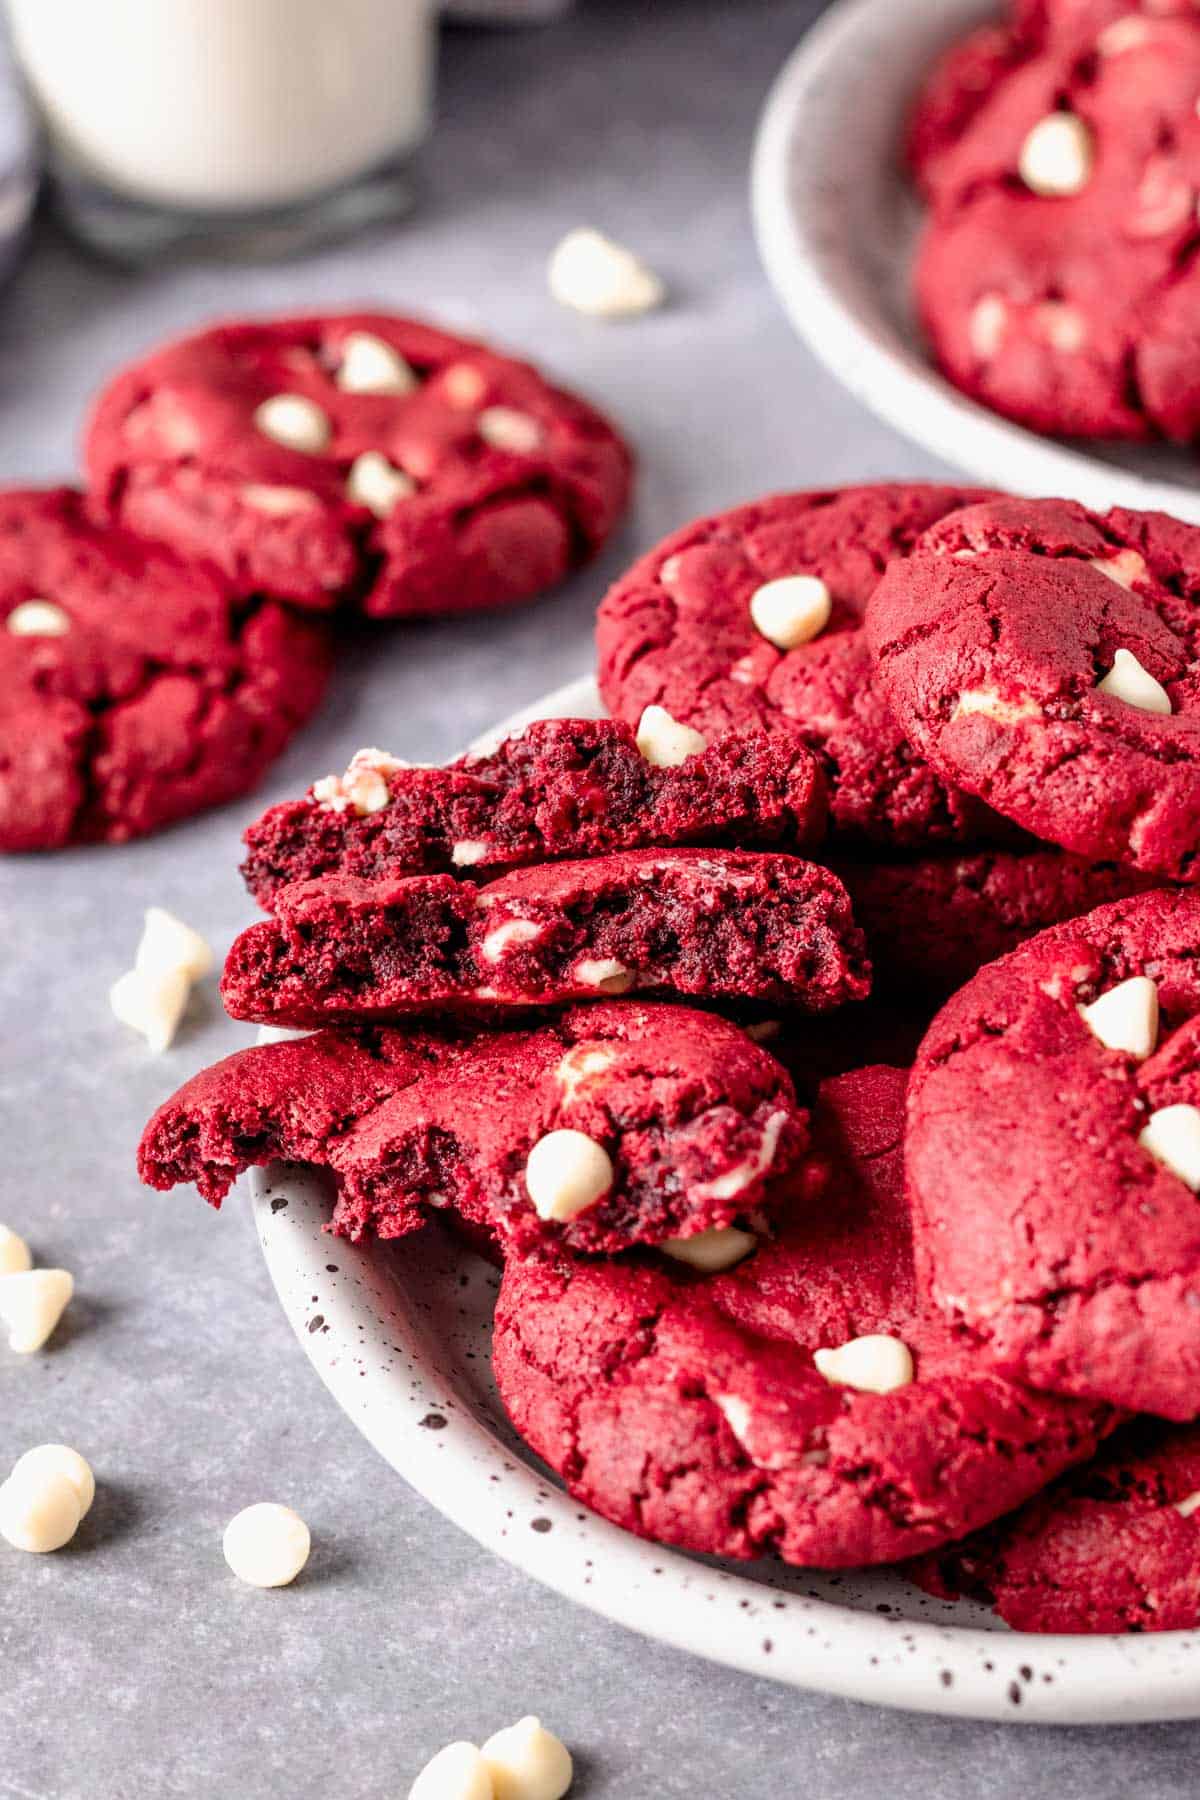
(836, 225)
(400, 1339)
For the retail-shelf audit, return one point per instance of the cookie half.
(754, 618)
(1053, 1156)
(1049, 660)
(705, 924)
(560, 788)
(358, 456)
(614, 1125)
(691, 1409)
(135, 689)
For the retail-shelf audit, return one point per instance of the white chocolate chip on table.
(371, 366)
(1172, 1137)
(49, 1492)
(266, 1545)
(168, 944)
(295, 422)
(594, 275)
(32, 1301)
(663, 741)
(38, 618)
(566, 1172)
(151, 998)
(875, 1364)
(527, 1762)
(1056, 156)
(1127, 680)
(456, 1773)
(1125, 1018)
(791, 610)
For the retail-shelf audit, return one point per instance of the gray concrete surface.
(132, 1667)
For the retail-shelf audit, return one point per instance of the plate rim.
(473, 1479)
(790, 189)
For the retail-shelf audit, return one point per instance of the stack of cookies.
(846, 1261)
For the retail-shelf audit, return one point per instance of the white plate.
(836, 224)
(399, 1336)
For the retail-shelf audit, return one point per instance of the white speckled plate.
(400, 1337)
(837, 223)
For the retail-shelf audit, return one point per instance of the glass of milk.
(238, 126)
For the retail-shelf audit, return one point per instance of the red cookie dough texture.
(934, 921)
(134, 691)
(1113, 1546)
(678, 631)
(1057, 279)
(691, 1117)
(561, 788)
(1049, 660)
(702, 923)
(690, 1409)
(1053, 1157)
(359, 456)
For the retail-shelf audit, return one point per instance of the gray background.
(132, 1664)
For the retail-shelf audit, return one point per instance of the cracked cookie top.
(807, 1402)
(1048, 660)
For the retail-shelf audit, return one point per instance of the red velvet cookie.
(707, 924)
(1113, 1546)
(679, 630)
(1053, 1156)
(691, 1409)
(1056, 280)
(561, 788)
(133, 690)
(358, 455)
(614, 1125)
(932, 922)
(1049, 660)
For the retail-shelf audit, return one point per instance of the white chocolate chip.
(329, 794)
(567, 1172)
(1061, 326)
(59, 1459)
(791, 610)
(513, 931)
(669, 570)
(1129, 33)
(711, 1251)
(987, 325)
(14, 1253)
(464, 385)
(151, 1004)
(663, 741)
(278, 501)
(168, 944)
(266, 1545)
(875, 1364)
(1127, 680)
(1188, 1505)
(1126, 1017)
(1056, 157)
(1172, 1137)
(39, 1512)
(456, 1773)
(278, 1034)
(38, 618)
(579, 1065)
(527, 1762)
(32, 1301)
(369, 366)
(294, 421)
(366, 789)
(993, 706)
(377, 484)
(504, 428)
(468, 851)
(1123, 566)
(737, 1179)
(735, 1413)
(591, 273)
(606, 973)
